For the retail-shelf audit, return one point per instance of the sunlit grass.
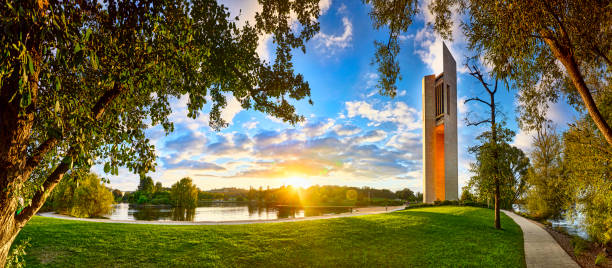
(433, 236)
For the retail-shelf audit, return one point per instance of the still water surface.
(216, 212)
(573, 226)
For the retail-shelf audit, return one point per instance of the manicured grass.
(432, 236)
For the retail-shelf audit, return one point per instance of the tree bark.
(8, 228)
(497, 220)
(495, 156)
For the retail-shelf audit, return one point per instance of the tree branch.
(34, 160)
(56, 176)
(475, 72)
(40, 196)
(477, 99)
(468, 123)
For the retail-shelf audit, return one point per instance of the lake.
(217, 212)
(573, 226)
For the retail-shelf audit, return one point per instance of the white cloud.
(250, 125)
(231, 109)
(346, 130)
(325, 4)
(523, 140)
(404, 116)
(329, 43)
(372, 136)
(318, 128)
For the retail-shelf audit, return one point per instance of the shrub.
(601, 259)
(579, 245)
(184, 193)
(83, 196)
(16, 258)
(142, 199)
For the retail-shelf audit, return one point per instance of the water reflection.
(573, 226)
(217, 212)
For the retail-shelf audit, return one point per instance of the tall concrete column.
(440, 160)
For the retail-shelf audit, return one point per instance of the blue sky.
(351, 135)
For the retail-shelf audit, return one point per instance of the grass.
(421, 237)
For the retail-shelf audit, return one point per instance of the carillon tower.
(440, 132)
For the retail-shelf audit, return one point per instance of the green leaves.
(26, 99)
(95, 98)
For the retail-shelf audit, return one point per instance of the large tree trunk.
(564, 55)
(8, 228)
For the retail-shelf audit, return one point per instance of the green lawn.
(432, 236)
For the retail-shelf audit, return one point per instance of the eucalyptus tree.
(499, 170)
(490, 150)
(81, 81)
(547, 47)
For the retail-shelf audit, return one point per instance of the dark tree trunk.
(8, 228)
(565, 56)
(495, 157)
(497, 220)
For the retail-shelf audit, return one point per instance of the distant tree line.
(185, 194)
(332, 195)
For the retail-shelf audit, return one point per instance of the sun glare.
(297, 182)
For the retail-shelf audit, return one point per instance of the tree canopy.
(502, 160)
(184, 193)
(80, 81)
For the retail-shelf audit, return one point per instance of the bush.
(16, 258)
(601, 259)
(184, 193)
(579, 245)
(83, 196)
(447, 203)
(142, 199)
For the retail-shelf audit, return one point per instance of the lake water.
(573, 226)
(216, 212)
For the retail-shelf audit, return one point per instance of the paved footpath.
(356, 212)
(541, 249)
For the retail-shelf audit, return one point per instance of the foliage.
(579, 245)
(600, 259)
(396, 17)
(146, 184)
(16, 258)
(80, 82)
(117, 194)
(466, 194)
(158, 187)
(548, 191)
(82, 197)
(510, 165)
(330, 195)
(587, 157)
(407, 194)
(184, 193)
(434, 236)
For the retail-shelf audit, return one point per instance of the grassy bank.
(433, 236)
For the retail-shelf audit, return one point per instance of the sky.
(351, 136)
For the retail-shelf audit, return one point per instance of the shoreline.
(356, 212)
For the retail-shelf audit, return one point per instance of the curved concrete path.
(358, 212)
(541, 249)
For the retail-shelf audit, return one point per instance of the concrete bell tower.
(440, 132)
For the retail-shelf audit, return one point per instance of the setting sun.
(297, 182)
